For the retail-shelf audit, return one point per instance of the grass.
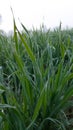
(36, 80)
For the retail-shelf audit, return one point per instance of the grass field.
(36, 80)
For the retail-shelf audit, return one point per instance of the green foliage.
(36, 79)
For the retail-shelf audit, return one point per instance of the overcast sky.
(35, 12)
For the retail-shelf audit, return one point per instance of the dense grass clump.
(36, 80)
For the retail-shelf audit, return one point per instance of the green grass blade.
(30, 53)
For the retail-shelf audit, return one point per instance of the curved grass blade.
(54, 121)
(15, 32)
(37, 108)
(30, 53)
(6, 106)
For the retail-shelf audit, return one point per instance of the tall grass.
(36, 80)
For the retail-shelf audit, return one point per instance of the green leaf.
(62, 48)
(2, 91)
(30, 53)
(15, 32)
(37, 108)
(6, 106)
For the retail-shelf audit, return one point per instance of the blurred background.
(34, 13)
